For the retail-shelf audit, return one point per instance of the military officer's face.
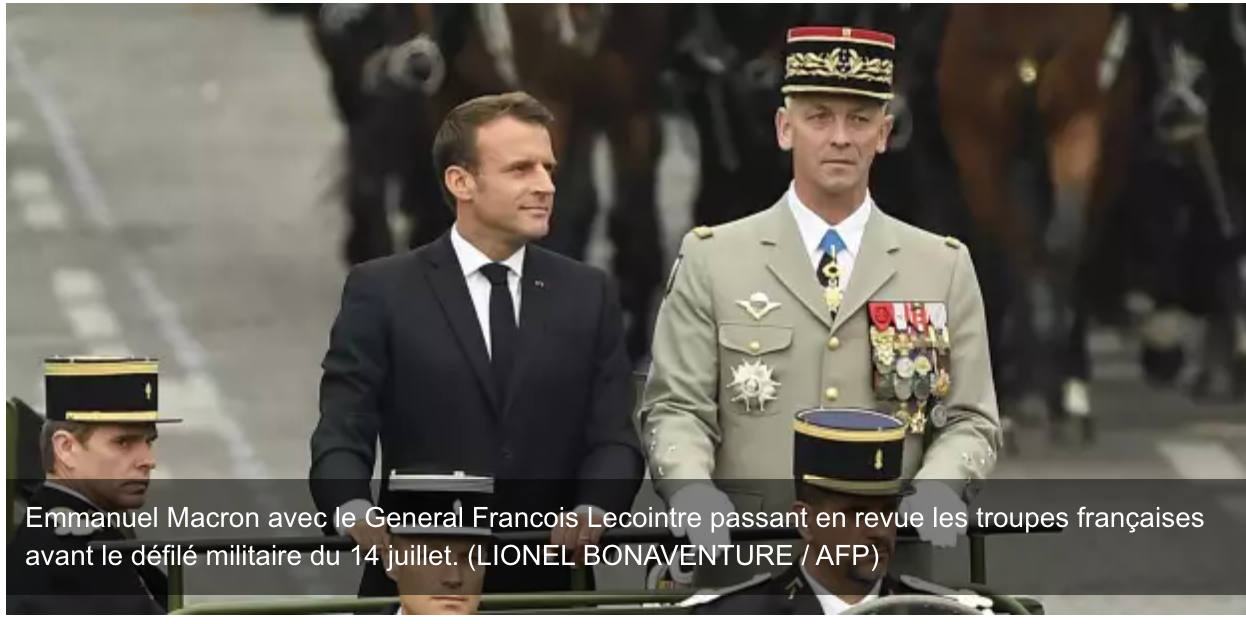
(833, 139)
(451, 587)
(855, 531)
(511, 193)
(110, 463)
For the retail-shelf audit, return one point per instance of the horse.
(1198, 57)
(1024, 117)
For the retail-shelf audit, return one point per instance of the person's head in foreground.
(431, 559)
(496, 158)
(849, 462)
(100, 427)
(834, 117)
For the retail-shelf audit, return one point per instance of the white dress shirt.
(813, 227)
(471, 259)
(832, 604)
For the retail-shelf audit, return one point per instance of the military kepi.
(848, 61)
(426, 499)
(852, 451)
(103, 389)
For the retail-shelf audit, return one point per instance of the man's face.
(852, 532)
(833, 139)
(452, 588)
(112, 463)
(512, 190)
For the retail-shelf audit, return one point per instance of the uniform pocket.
(754, 359)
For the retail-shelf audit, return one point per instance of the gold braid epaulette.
(828, 65)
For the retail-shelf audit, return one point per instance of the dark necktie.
(502, 328)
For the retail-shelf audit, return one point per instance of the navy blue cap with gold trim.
(103, 389)
(852, 451)
(432, 501)
(848, 61)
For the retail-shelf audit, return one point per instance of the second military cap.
(853, 451)
(103, 389)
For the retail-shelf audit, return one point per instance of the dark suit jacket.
(407, 363)
(97, 589)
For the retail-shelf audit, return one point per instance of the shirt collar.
(813, 227)
(471, 258)
(832, 604)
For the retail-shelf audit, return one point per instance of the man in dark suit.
(97, 454)
(483, 351)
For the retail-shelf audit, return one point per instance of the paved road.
(167, 172)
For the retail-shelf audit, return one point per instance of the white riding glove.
(929, 498)
(705, 501)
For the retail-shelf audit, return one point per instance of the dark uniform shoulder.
(912, 585)
(749, 597)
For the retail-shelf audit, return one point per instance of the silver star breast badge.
(753, 383)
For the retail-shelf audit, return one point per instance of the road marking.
(16, 130)
(1197, 461)
(188, 354)
(76, 285)
(30, 183)
(45, 215)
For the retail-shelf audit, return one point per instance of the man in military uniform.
(437, 564)
(848, 463)
(822, 300)
(97, 453)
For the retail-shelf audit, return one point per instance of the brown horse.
(1020, 85)
(596, 68)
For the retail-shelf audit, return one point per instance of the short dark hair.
(80, 431)
(455, 143)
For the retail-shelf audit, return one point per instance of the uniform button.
(832, 394)
(754, 346)
(833, 343)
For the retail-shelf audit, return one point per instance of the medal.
(753, 383)
(921, 387)
(903, 415)
(916, 314)
(945, 340)
(943, 384)
(881, 315)
(922, 365)
(917, 424)
(938, 315)
(886, 387)
(900, 321)
(904, 388)
(834, 297)
(904, 367)
(904, 343)
(938, 416)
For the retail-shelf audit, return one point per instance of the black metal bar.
(615, 536)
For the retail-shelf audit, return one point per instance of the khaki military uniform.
(744, 308)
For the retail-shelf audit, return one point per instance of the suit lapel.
(450, 288)
(789, 261)
(874, 265)
(533, 304)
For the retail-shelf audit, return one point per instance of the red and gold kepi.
(832, 59)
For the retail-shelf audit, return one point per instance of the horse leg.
(636, 144)
(368, 234)
(577, 204)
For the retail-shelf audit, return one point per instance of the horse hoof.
(1162, 366)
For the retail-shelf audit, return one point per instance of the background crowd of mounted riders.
(1088, 154)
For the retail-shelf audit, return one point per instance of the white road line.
(76, 285)
(1202, 460)
(93, 322)
(30, 183)
(44, 215)
(187, 352)
(16, 130)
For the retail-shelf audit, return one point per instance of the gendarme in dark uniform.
(100, 400)
(843, 459)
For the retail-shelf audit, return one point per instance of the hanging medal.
(831, 293)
